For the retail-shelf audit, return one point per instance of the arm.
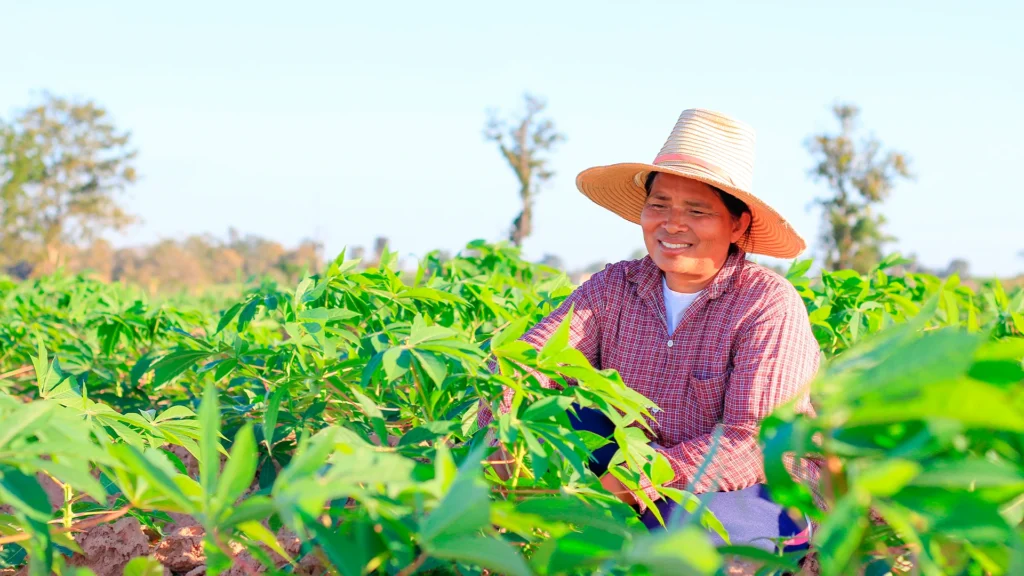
(775, 357)
(584, 334)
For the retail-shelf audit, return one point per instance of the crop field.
(330, 428)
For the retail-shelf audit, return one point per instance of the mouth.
(674, 246)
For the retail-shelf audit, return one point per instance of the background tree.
(524, 143)
(859, 177)
(61, 165)
(19, 166)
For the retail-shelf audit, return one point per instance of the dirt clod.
(108, 547)
(182, 549)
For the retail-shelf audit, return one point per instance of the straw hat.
(706, 146)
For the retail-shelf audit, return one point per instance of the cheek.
(648, 223)
(713, 230)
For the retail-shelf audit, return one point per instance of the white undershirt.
(675, 304)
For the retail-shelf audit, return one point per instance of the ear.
(739, 227)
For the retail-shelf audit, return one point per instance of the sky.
(344, 121)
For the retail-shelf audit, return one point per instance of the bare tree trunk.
(522, 225)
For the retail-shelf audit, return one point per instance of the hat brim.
(620, 189)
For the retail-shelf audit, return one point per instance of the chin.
(677, 264)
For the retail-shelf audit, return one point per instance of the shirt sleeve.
(584, 335)
(775, 357)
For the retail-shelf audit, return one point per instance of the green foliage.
(345, 411)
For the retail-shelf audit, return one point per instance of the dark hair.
(734, 205)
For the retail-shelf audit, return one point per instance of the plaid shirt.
(741, 349)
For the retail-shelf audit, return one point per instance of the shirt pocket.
(707, 396)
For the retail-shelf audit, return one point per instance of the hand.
(612, 484)
(500, 461)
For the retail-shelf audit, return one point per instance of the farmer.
(712, 338)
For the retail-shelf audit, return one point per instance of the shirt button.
(669, 343)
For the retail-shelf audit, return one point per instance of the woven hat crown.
(713, 143)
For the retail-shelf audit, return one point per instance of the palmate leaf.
(240, 468)
(464, 510)
(160, 479)
(974, 404)
(175, 364)
(144, 566)
(682, 551)
(270, 416)
(483, 551)
(32, 509)
(839, 536)
(209, 442)
(228, 316)
(24, 420)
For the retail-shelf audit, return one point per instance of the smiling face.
(688, 230)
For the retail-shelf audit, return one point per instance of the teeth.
(674, 246)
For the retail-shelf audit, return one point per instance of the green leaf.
(432, 366)
(510, 333)
(680, 551)
(23, 493)
(999, 362)
(270, 416)
(349, 547)
(25, 420)
(974, 404)
(396, 363)
(430, 294)
(559, 339)
(139, 464)
(240, 468)
(247, 314)
(798, 268)
(372, 411)
(491, 553)
(253, 508)
(763, 558)
(175, 364)
(465, 509)
(971, 473)
(839, 536)
(209, 441)
(228, 315)
(175, 413)
(887, 477)
(259, 533)
(324, 315)
(144, 566)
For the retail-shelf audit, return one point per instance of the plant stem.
(412, 568)
(520, 453)
(423, 395)
(17, 372)
(114, 515)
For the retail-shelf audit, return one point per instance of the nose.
(674, 224)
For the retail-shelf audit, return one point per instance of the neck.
(688, 283)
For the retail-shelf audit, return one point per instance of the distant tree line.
(63, 165)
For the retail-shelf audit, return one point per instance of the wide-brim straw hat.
(709, 147)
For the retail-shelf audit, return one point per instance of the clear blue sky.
(348, 120)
